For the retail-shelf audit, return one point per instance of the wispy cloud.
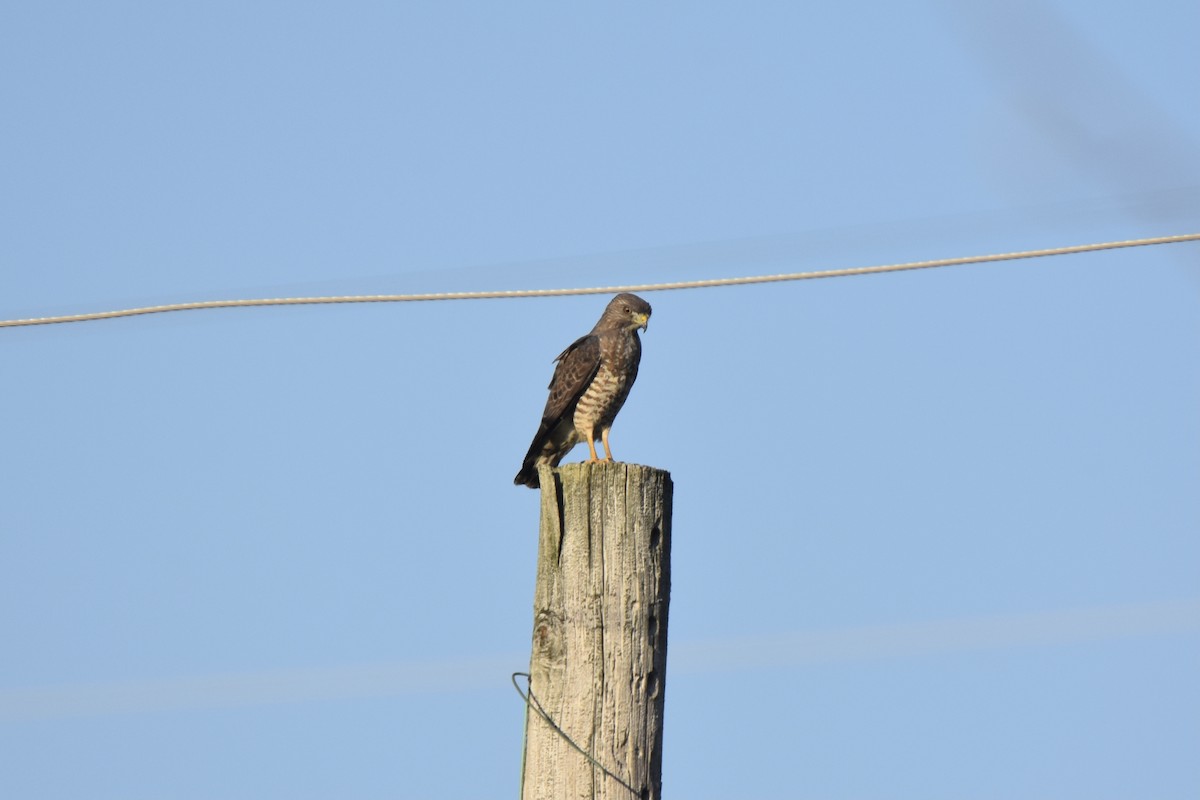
(238, 689)
(290, 686)
(937, 637)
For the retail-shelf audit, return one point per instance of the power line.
(647, 287)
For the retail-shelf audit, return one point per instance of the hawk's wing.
(577, 366)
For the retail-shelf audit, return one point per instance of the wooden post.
(598, 666)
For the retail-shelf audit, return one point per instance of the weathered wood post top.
(599, 651)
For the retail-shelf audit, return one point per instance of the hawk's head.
(627, 311)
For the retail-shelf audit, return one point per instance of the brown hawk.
(590, 384)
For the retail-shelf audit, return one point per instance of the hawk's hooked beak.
(642, 320)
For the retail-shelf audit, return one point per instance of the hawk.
(590, 384)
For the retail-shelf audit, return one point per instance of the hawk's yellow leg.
(607, 449)
(592, 446)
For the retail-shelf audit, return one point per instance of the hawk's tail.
(528, 476)
(537, 455)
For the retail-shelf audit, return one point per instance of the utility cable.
(645, 287)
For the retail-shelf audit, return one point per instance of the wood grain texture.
(599, 657)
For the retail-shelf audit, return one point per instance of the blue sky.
(935, 533)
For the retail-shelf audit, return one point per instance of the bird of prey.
(590, 384)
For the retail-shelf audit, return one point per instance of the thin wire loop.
(645, 287)
(532, 702)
